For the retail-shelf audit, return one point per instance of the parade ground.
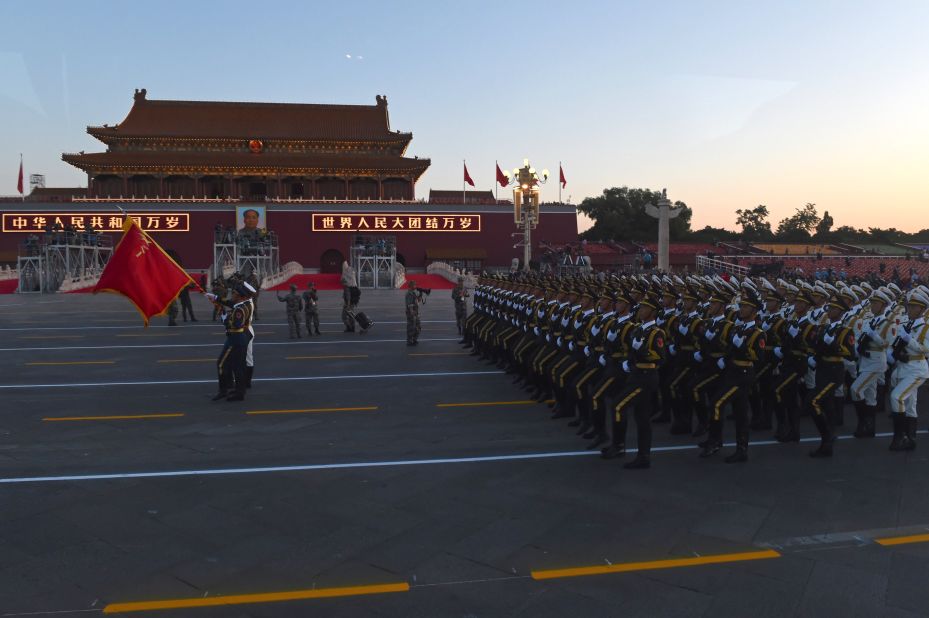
(363, 477)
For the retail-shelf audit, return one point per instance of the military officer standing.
(459, 296)
(294, 307)
(411, 301)
(311, 309)
(172, 313)
(910, 351)
(231, 364)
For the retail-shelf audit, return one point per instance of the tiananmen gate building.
(319, 175)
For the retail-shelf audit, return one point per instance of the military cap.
(918, 297)
(881, 295)
(649, 300)
(750, 297)
(839, 302)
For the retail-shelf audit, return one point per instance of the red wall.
(300, 244)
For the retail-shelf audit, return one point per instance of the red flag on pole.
(141, 271)
(19, 182)
(561, 177)
(467, 176)
(501, 177)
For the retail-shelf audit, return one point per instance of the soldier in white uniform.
(876, 336)
(910, 351)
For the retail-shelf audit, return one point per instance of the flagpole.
(496, 184)
(22, 194)
(559, 182)
(464, 186)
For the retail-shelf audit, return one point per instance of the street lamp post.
(526, 204)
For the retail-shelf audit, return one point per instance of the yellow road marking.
(326, 357)
(148, 335)
(71, 363)
(118, 417)
(52, 337)
(902, 540)
(438, 354)
(627, 567)
(265, 597)
(187, 360)
(477, 404)
(298, 411)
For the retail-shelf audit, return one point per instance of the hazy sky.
(727, 104)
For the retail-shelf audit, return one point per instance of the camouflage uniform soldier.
(311, 307)
(459, 296)
(412, 314)
(172, 313)
(294, 307)
(218, 288)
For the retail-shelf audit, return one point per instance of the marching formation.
(666, 349)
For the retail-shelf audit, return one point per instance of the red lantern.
(255, 146)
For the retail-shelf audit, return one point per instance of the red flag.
(19, 182)
(141, 271)
(467, 176)
(501, 177)
(561, 177)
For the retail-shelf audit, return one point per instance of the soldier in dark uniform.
(682, 345)
(231, 364)
(646, 354)
(294, 307)
(834, 343)
(172, 313)
(745, 351)
(793, 353)
(615, 350)
(712, 342)
(411, 302)
(311, 309)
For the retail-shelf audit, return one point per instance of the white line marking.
(370, 464)
(205, 324)
(293, 379)
(216, 344)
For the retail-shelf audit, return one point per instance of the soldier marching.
(701, 350)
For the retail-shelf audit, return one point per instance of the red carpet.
(331, 282)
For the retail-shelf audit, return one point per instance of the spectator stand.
(63, 259)
(245, 252)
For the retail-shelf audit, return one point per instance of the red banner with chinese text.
(141, 271)
(36, 222)
(352, 222)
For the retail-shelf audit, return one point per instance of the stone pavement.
(347, 482)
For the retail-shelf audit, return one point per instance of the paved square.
(346, 485)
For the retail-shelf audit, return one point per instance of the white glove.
(535, 329)
(570, 346)
(721, 363)
(586, 350)
(672, 349)
(698, 357)
(211, 296)
(890, 357)
(737, 341)
(710, 334)
(637, 343)
(602, 360)
(811, 361)
(626, 366)
(558, 342)
(548, 337)
(611, 336)
(778, 352)
(828, 338)
(793, 330)
(682, 329)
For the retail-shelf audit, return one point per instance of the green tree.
(797, 227)
(754, 223)
(619, 214)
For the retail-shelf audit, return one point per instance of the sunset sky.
(727, 104)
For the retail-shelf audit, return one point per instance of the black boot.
(911, 428)
(714, 442)
(860, 414)
(793, 425)
(870, 421)
(598, 439)
(741, 453)
(641, 462)
(826, 437)
(898, 443)
(614, 451)
(838, 411)
(248, 376)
